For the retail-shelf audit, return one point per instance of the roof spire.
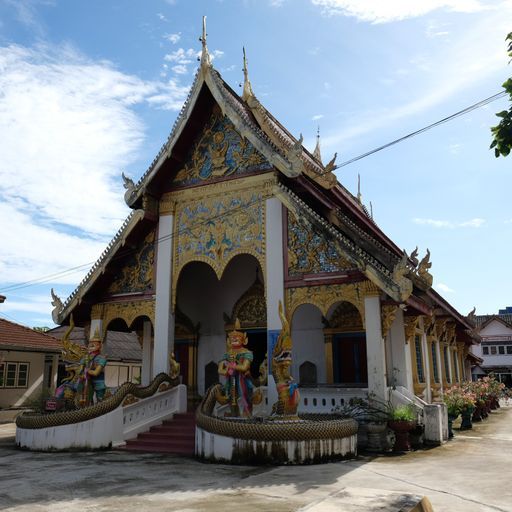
(205, 56)
(359, 196)
(247, 92)
(316, 152)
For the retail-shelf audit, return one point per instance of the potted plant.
(460, 400)
(402, 419)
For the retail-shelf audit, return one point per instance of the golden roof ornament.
(247, 92)
(205, 55)
(316, 152)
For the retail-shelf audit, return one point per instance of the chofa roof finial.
(247, 92)
(316, 152)
(205, 56)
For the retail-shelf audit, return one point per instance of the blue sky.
(89, 89)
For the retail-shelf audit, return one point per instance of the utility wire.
(50, 277)
(422, 130)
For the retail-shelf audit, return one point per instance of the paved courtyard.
(471, 473)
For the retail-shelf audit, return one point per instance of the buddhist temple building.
(232, 217)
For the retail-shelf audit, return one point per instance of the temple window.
(501, 350)
(493, 350)
(509, 349)
(485, 351)
(307, 374)
(435, 369)
(419, 359)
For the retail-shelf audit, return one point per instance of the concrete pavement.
(471, 473)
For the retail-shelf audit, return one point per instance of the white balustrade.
(325, 399)
(140, 416)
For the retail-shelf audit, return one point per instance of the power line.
(50, 277)
(422, 130)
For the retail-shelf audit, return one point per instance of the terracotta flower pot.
(401, 430)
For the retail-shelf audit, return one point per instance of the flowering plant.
(458, 398)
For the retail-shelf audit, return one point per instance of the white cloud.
(377, 11)
(161, 16)
(182, 56)
(316, 117)
(276, 3)
(180, 69)
(67, 129)
(173, 38)
(444, 288)
(446, 224)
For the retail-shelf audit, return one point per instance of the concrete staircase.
(176, 436)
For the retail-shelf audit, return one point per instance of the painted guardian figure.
(235, 367)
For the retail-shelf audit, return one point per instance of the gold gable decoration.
(325, 296)
(219, 151)
(251, 308)
(345, 318)
(126, 310)
(217, 222)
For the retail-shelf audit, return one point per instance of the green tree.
(41, 329)
(502, 132)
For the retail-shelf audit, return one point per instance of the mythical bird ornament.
(287, 389)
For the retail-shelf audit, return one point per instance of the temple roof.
(119, 346)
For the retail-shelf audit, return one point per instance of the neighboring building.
(496, 347)
(233, 217)
(28, 364)
(123, 351)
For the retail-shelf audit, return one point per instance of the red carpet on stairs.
(176, 436)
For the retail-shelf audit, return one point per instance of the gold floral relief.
(215, 228)
(135, 271)
(311, 250)
(219, 151)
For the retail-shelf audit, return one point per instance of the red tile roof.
(18, 337)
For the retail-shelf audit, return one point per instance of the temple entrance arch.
(208, 303)
(345, 332)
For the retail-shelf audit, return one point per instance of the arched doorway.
(308, 357)
(344, 328)
(209, 303)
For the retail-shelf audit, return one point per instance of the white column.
(426, 360)
(450, 367)
(440, 368)
(55, 371)
(164, 318)
(147, 354)
(274, 271)
(375, 351)
(401, 360)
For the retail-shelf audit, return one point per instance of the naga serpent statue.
(287, 389)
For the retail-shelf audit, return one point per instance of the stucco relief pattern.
(217, 228)
(135, 273)
(311, 251)
(219, 151)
